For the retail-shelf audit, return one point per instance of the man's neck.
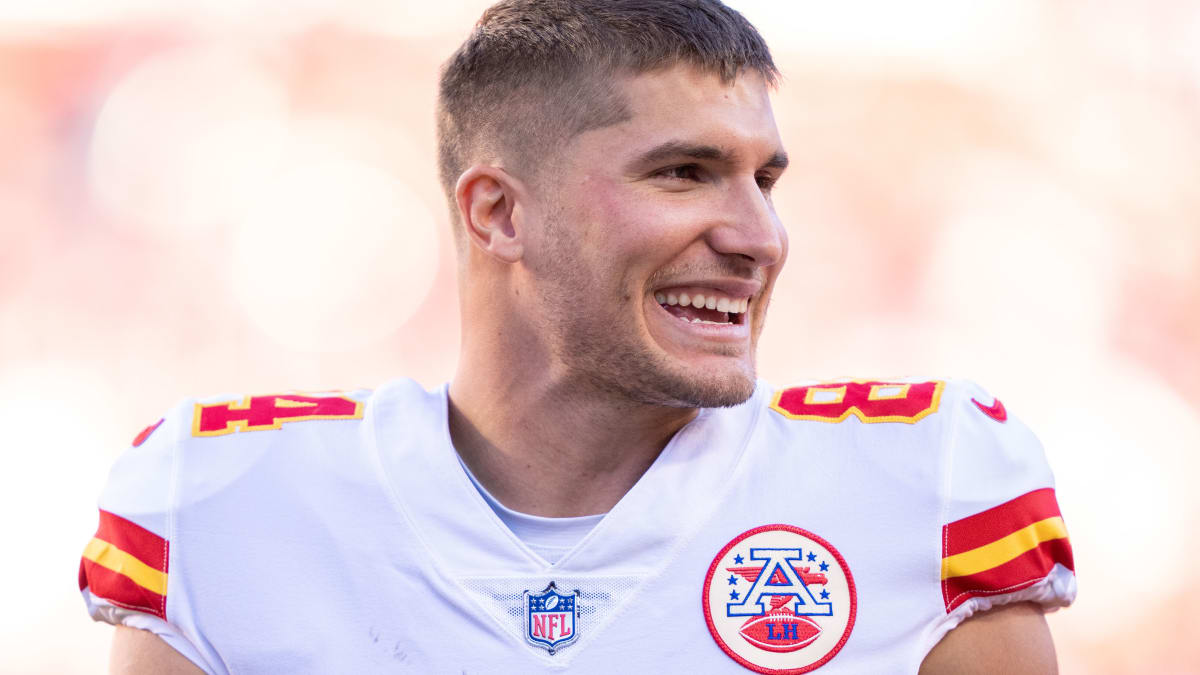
(554, 449)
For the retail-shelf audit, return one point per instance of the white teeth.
(701, 301)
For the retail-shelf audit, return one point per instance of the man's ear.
(486, 198)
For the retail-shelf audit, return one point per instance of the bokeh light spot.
(335, 255)
(185, 141)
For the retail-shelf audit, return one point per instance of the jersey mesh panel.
(504, 598)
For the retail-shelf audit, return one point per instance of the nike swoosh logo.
(995, 411)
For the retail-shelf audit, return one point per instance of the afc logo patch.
(550, 618)
(779, 599)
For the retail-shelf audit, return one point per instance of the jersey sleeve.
(1003, 537)
(124, 573)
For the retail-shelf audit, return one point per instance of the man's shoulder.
(219, 474)
(216, 439)
(947, 444)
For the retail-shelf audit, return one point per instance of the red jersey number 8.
(870, 401)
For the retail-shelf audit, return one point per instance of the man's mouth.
(704, 308)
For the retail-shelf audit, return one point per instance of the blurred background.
(239, 195)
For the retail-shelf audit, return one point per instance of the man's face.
(655, 260)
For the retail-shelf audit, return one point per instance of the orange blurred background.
(241, 196)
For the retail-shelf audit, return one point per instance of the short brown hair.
(535, 73)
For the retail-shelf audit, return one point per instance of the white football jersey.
(838, 528)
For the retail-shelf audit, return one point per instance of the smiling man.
(605, 483)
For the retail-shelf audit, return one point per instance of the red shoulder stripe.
(1000, 521)
(126, 564)
(1021, 572)
(133, 539)
(120, 590)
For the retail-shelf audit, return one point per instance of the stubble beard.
(599, 352)
(632, 374)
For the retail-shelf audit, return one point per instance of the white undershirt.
(550, 538)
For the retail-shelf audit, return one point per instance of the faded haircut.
(533, 74)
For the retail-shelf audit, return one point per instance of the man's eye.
(766, 181)
(684, 172)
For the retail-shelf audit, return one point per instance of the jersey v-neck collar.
(678, 493)
(550, 538)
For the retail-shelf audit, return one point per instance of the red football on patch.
(780, 631)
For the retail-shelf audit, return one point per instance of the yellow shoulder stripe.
(110, 557)
(1004, 549)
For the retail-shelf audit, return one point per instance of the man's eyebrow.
(778, 160)
(676, 149)
(679, 149)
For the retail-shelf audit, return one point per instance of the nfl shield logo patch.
(550, 618)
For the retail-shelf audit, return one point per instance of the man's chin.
(699, 388)
(656, 377)
(720, 393)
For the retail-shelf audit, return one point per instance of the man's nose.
(748, 227)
